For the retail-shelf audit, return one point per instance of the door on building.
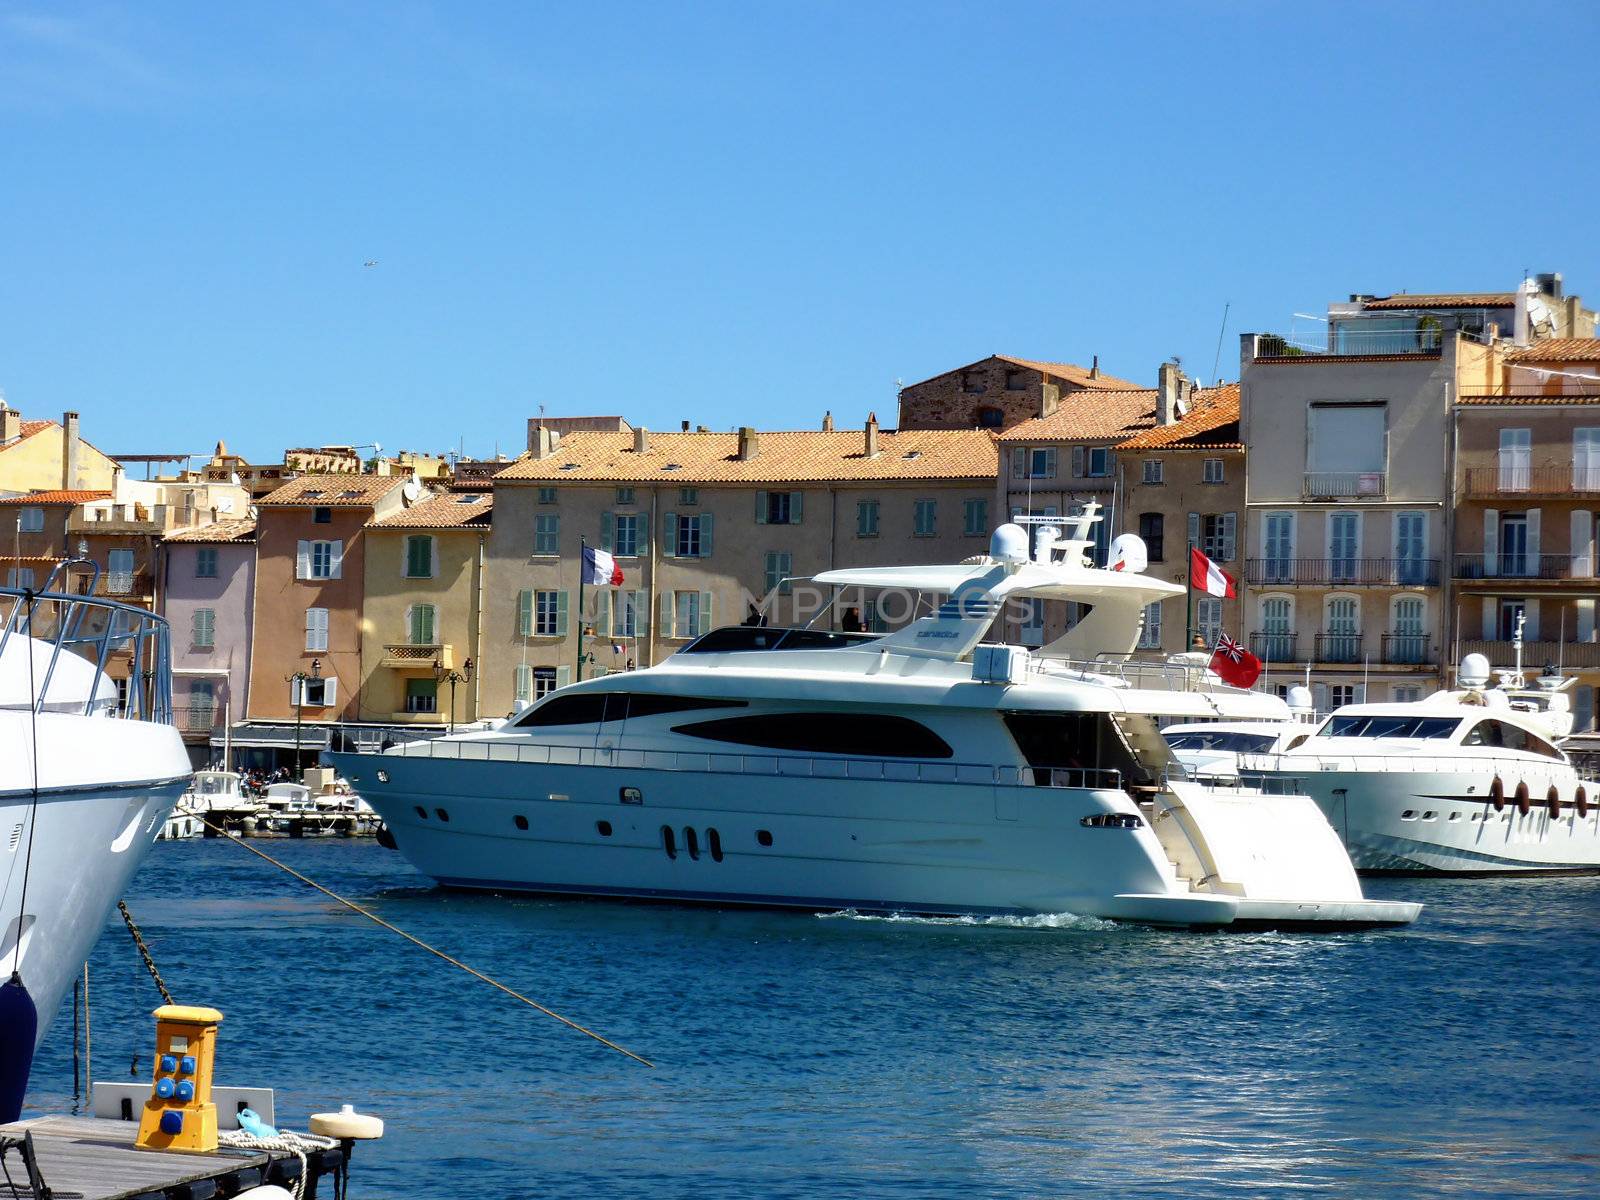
(1277, 628)
(1344, 543)
(1510, 612)
(1344, 630)
(1410, 644)
(1516, 460)
(1278, 548)
(1514, 544)
(1410, 533)
(1586, 459)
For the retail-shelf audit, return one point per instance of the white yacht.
(1468, 781)
(217, 800)
(918, 771)
(86, 779)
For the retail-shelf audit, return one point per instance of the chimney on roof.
(1094, 367)
(69, 450)
(686, 427)
(827, 421)
(1173, 390)
(748, 444)
(10, 423)
(872, 435)
(641, 440)
(544, 442)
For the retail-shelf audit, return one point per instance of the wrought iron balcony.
(1274, 647)
(1342, 572)
(1338, 647)
(1557, 479)
(1407, 649)
(1342, 485)
(1525, 566)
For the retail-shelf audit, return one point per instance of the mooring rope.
(298, 1144)
(144, 951)
(416, 941)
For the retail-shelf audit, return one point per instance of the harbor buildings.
(33, 534)
(425, 581)
(710, 529)
(208, 592)
(41, 455)
(999, 392)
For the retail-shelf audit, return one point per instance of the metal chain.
(144, 951)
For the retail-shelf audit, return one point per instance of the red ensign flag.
(1208, 577)
(1233, 664)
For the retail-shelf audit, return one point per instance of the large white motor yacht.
(917, 771)
(1466, 781)
(86, 777)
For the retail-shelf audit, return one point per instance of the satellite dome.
(1009, 544)
(1474, 671)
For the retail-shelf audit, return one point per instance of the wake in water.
(1062, 920)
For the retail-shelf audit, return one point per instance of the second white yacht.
(918, 771)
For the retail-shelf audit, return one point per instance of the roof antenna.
(1217, 361)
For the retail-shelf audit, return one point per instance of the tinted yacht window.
(587, 708)
(865, 734)
(1390, 727)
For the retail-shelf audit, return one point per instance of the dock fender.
(19, 1028)
(1497, 793)
(1552, 800)
(1522, 797)
(1581, 799)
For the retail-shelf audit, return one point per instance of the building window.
(779, 508)
(628, 529)
(544, 682)
(20, 577)
(313, 693)
(1041, 462)
(119, 572)
(1016, 381)
(316, 630)
(1152, 532)
(926, 520)
(779, 567)
(1342, 640)
(1341, 694)
(205, 629)
(1217, 540)
(422, 621)
(689, 534)
(547, 534)
(1277, 547)
(1152, 470)
(1346, 448)
(549, 614)
(31, 520)
(691, 614)
(1150, 634)
(866, 518)
(624, 495)
(205, 562)
(1098, 462)
(547, 495)
(1277, 630)
(972, 383)
(322, 515)
(422, 694)
(1407, 693)
(319, 560)
(688, 495)
(202, 705)
(975, 518)
(1208, 619)
(990, 417)
(1211, 471)
(419, 557)
(621, 613)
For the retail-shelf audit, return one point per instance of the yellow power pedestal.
(179, 1114)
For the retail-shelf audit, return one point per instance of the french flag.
(600, 568)
(1208, 577)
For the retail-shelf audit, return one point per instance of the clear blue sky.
(731, 213)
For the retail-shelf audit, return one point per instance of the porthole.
(630, 795)
(1429, 815)
(714, 840)
(603, 828)
(442, 815)
(422, 813)
(1410, 814)
(520, 821)
(691, 843)
(669, 841)
(764, 837)
(1455, 816)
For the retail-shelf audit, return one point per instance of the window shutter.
(294, 693)
(1582, 543)
(302, 560)
(641, 534)
(705, 614)
(1319, 697)
(433, 558)
(761, 508)
(1585, 606)
(665, 628)
(561, 614)
(563, 676)
(430, 621)
(1361, 693)
(1019, 463)
(336, 563)
(1194, 529)
(669, 535)
(797, 502)
(641, 614)
(1077, 462)
(705, 535)
(1491, 541)
(1533, 545)
(1229, 525)
(608, 531)
(1530, 627)
(411, 624)
(1491, 631)
(525, 613)
(602, 612)
(330, 692)
(523, 683)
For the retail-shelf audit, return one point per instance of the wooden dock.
(88, 1158)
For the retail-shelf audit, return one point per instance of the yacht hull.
(1444, 822)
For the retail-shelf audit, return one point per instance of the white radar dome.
(1009, 544)
(1300, 697)
(1128, 553)
(1474, 671)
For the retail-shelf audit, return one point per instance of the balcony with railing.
(1342, 572)
(1566, 655)
(1553, 481)
(1338, 648)
(1526, 566)
(1411, 337)
(1274, 647)
(410, 656)
(1407, 649)
(198, 721)
(118, 585)
(1345, 485)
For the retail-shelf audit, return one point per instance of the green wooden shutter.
(563, 676)
(561, 613)
(669, 535)
(608, 531)
(761, 508)
(705, 614)
(705, 535)
(602, 612)
(797, 502)
(667, 616)
(525, 613)
(641, 614)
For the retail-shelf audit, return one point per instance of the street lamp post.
(299, 679)
(440, 675)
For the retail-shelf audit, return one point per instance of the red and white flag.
(1208, 577)
(1233, 664)
(599, 567)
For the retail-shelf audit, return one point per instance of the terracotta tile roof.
(55, 497)
(1559, 350)
(1212, 423)
(782, 457)
(1444, 300)
(1073, 373)
(333, 491)
(456, 510)
(1093, 417)
(1532, 400)
(241, 530)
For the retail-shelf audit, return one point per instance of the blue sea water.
(826, 1056)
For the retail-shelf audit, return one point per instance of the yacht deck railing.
(1314, 764)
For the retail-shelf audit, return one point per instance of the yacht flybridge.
(920, 771)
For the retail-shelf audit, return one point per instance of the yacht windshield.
(1390, 727)
(1235, 741)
